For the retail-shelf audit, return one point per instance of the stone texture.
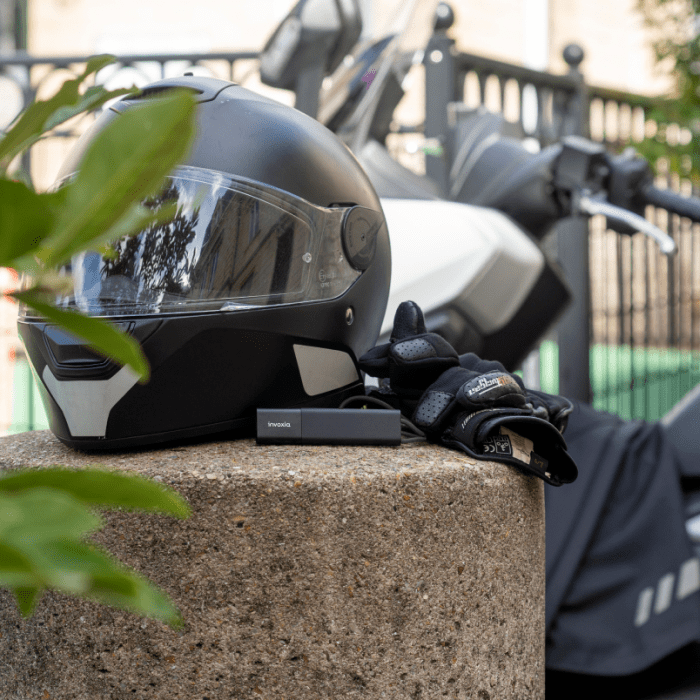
(304, 572)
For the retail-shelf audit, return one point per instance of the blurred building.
(612, 34)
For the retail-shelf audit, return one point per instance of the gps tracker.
(328, 426)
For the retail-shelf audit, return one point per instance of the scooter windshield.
(231, 244)
(394, 29)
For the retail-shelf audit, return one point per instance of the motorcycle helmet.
(269, 283)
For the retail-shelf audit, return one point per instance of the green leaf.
(135, 219)
(101, 488)
(125, 163)
(85, 570)
(32, 122)
(27, 597)
(93, 98)
(42, 514)
(27, 219)
(108, 581)
(100, 335)
(41, 544)
(15, 569)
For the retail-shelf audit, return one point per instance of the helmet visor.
(232, 243)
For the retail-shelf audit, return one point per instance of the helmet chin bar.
(209, 372)
(86, 404)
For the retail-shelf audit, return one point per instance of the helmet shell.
(211, 370)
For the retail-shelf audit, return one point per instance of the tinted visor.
(232, 243)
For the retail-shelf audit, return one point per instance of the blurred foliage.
(674, 25)
(46, 516)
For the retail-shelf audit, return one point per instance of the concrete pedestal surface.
(303, 573)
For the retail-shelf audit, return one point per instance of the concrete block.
(304, 572)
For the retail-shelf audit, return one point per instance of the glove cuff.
(531, 444)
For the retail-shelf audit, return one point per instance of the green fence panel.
(549, 367)
(641, 382)
(631, 382)
(27, 409)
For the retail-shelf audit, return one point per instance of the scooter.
(476, 286)
(489, 287)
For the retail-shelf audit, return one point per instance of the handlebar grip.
(673, 202)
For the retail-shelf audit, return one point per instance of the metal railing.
(24, 69)
(645, 323)
(30, 77)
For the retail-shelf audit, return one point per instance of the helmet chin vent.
(69, 351)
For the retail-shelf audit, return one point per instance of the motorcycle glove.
(412, 359)
(488, 416)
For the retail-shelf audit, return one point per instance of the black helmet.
(264, 290)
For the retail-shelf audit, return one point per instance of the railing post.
(573, 331)
(440, 79)
(575, 121)
(20, 25)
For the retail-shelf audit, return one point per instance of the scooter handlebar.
(673, 202)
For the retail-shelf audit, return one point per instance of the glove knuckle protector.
(433, 407)
(491, 389)
(488, 417)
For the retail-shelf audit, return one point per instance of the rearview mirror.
(309, 44)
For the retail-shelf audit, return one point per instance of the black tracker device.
(328, 426)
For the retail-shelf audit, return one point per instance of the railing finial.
(444, 17)
(573, 55)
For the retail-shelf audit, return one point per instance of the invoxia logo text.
(662, 595)
(278, 425)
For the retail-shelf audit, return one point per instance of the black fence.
(23, 78)
(645, 322)
(631, 341)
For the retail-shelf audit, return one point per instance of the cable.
(368, 399)
(409, 432)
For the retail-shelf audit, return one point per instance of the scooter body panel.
(467, 256)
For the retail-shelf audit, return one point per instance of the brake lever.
(586, 203)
